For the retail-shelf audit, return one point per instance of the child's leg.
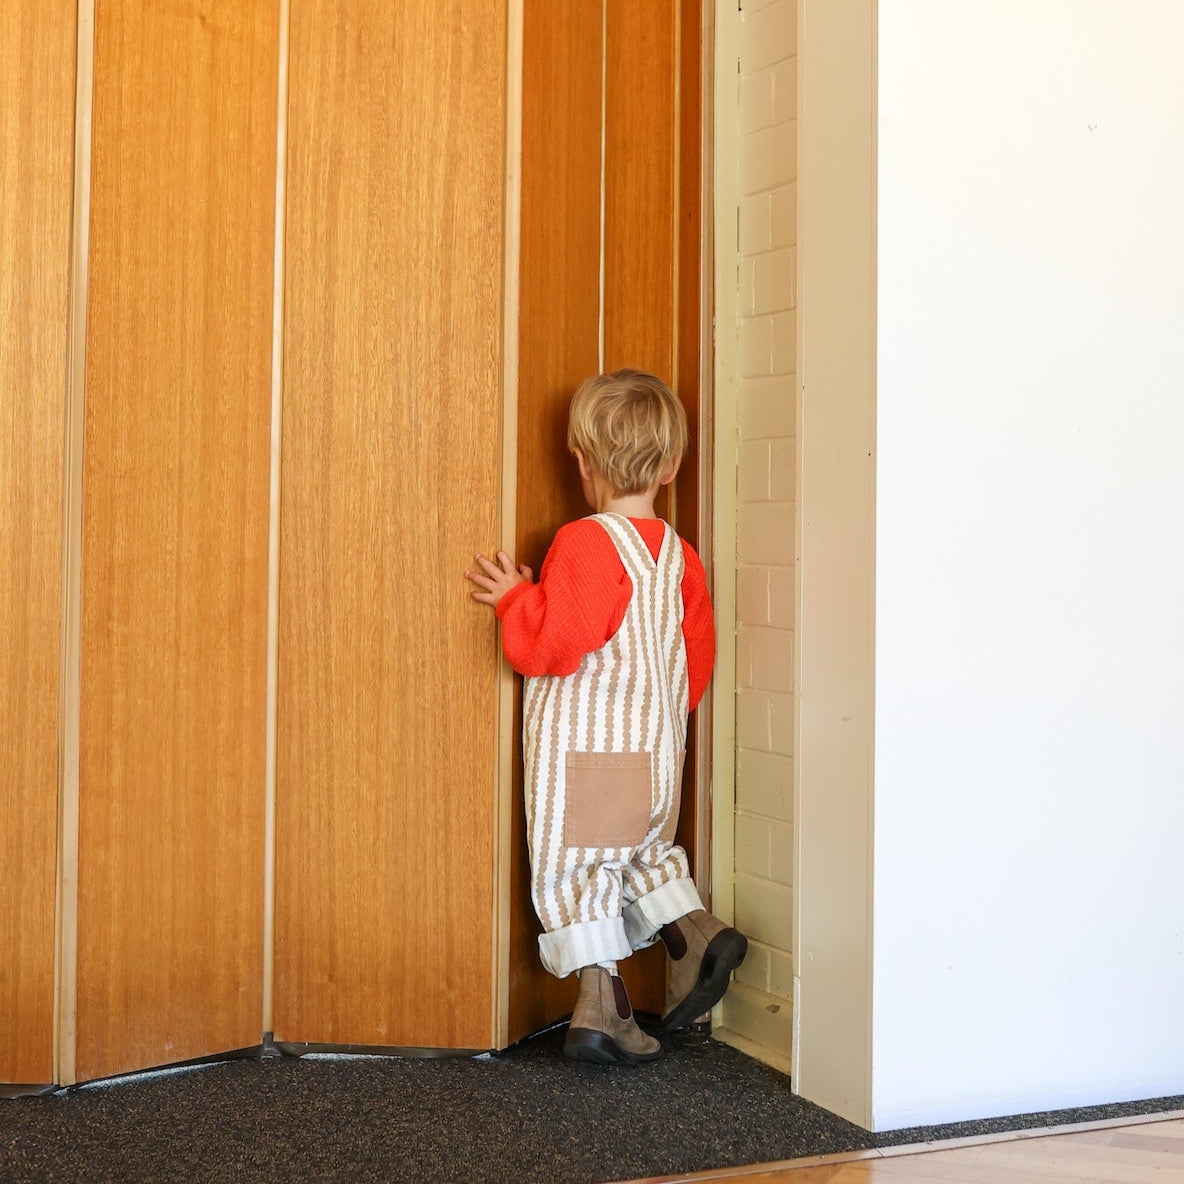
(703, 953)
(582, 890)
(602, 1025)
(579, 899)
(663, 902)
(657, 889)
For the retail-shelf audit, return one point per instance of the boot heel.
(586, 1044)
(724, 953)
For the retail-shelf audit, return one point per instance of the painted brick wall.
(758, 1006)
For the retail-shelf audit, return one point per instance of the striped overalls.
(603, 751)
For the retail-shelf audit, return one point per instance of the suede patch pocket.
(609, 799)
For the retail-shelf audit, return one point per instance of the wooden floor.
(1131, 1151)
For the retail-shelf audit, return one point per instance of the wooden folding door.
(37, 39)
(174, 546)
(387, 739)
(610, 277)
(399, 920)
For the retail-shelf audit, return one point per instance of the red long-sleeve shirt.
(580, 600)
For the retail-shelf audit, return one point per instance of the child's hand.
(493, 581)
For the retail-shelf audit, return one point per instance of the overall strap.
(628, 541)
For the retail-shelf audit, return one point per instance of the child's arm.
(493, 582)
(576, 606)
(698, 626)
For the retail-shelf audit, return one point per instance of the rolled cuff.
(647, 914)
(583, 944)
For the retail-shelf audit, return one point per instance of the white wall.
(1029, 659)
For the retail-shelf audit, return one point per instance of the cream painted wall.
(1029, 659)
(763, 224)
(836, 431)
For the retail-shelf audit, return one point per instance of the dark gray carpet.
(523, 1116)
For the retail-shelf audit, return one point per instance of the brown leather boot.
(602, 1026)
(703, 953)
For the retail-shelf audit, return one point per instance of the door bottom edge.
(201, 1062)
(14, 1089)
(297, 1048)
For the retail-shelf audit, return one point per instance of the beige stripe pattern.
(628, 697)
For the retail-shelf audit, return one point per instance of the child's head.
(629, 427)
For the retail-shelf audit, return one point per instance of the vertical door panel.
(37, 50)
(641, 200)
(559, 282)
(174, 566)
(558, 347)
(688, 355)
(687, 365)
(648, 262)
(640, 193)
(387, 747)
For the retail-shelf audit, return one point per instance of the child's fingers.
(491, 569)
(486, 589)
(495, 579)
(526, 573)
(481, 581)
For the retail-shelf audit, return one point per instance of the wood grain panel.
(644, 190)
(559, 290)
(689, 293)
(560, 309)
(641, 190)
(558, 343)
(387, 746)
(175, 489)
(37, 51)
(688, 364)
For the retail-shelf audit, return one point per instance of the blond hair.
(630, 428)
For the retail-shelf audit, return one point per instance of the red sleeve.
(576, 606)
(698, 626)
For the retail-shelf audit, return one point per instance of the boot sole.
(587, 1044)
(724, 953)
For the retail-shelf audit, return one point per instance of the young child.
(616, 641)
